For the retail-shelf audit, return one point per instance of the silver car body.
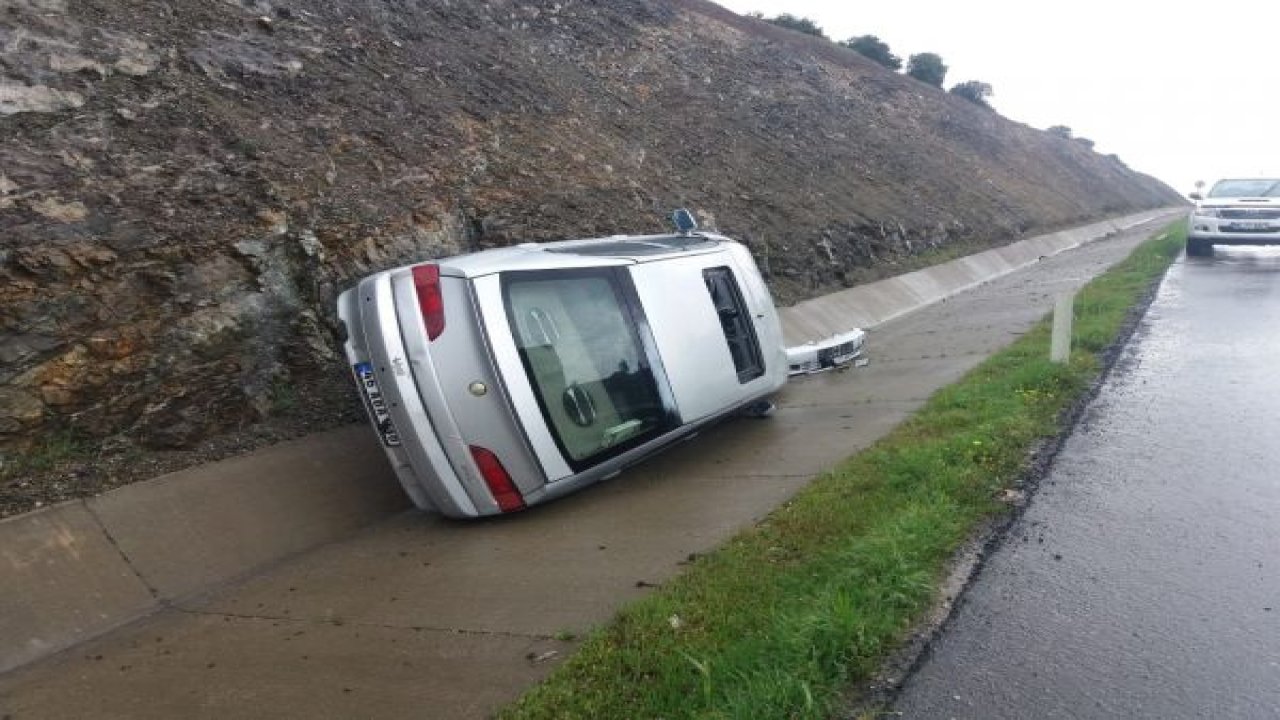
(1236, 212)
(508, 377)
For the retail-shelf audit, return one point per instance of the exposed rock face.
(185, 186)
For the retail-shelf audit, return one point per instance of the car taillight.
(499, 482)
(426, 280)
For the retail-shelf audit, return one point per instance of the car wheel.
(1199, 247)
(759, 409)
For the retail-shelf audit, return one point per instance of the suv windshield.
(579, 340)
(1262, 187)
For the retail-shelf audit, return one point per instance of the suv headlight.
(1208, 212)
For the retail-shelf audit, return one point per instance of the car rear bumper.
(419, 458)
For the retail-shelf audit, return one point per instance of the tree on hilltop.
(974, 91)
(793, 22)
(1061, 131)
(874, 48)
(927, 68)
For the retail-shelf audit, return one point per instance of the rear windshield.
(579, 336)
(1246, 188)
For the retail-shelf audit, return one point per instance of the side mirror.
(1196, 196)
(684, 222)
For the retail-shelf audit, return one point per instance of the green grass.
(58, 448)
(778, 621)
(284, 396)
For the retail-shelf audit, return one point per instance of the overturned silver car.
(505, 378)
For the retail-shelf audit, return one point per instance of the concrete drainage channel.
(77, 570)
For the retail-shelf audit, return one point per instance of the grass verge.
(777, 622)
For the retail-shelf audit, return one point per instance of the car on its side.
(1242, 211)
(505, 378)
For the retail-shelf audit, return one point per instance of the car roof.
(590, 252)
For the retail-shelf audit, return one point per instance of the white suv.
(1235, 212)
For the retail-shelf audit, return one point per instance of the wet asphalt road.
(1144, 579)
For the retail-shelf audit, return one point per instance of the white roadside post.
(1060, 347)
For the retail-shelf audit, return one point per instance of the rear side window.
(578, 332)
(735, 321)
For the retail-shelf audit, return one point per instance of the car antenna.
(684, 222)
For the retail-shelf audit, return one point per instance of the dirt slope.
(185, 186)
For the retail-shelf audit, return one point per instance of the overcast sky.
(1181, 92)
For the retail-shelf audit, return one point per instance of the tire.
(1199, 247)
(759, 409)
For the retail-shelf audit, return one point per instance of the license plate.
(376, 404)
(1245, 225)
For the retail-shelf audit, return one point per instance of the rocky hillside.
(185, 186)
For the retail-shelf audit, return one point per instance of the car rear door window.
(578, 334)
(735, 321)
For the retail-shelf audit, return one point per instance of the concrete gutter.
(77, 570)
(868, 305)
